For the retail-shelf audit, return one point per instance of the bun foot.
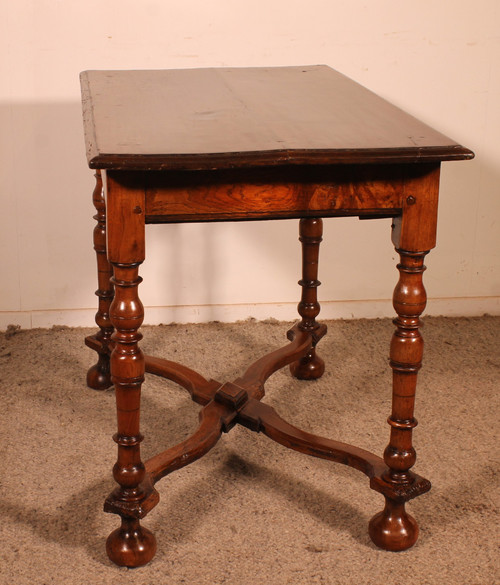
(393, 529)
(310, 367)
(99, 376)
(131, 545)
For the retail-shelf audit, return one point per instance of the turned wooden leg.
(311, 366)
(98, 376)
(393, 529)
(131, 545)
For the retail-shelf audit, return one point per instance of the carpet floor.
(251, 512)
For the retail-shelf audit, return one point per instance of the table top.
(190, 119)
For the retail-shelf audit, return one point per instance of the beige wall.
(439, 60)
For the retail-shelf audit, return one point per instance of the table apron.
(176, 199)
(286, 192)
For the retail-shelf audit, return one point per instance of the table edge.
(214, 161)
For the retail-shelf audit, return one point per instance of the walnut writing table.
(250, 144)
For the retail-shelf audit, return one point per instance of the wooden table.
(250, 144)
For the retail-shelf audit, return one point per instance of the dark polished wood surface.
(220, 118)
(250, 144)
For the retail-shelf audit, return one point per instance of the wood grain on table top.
(241, 117)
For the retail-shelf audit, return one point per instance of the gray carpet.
(251, 512)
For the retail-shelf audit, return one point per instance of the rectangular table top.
(189, 119)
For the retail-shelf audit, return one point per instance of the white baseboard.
(365, 309)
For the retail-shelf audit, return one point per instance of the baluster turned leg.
(311, 366)
(130, 545)
(98, 376)
(393, 529)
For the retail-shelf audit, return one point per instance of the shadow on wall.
(48, 260)
(46, 185)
